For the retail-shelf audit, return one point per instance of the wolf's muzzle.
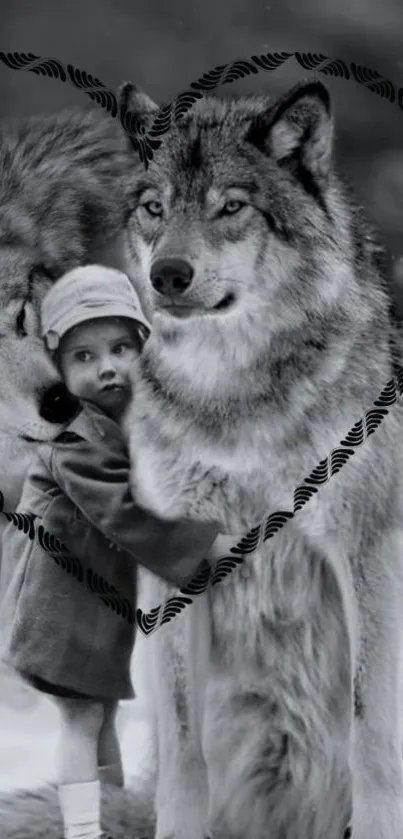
(171, 275)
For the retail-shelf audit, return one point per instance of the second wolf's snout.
(171, 275)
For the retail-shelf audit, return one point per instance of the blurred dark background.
(163, 45)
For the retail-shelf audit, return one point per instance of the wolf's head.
(246, 236)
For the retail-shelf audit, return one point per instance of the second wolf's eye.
(154, 208)
(231, 207)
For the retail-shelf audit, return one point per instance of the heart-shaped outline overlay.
(145, 144)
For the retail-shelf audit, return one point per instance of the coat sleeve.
(96, 479)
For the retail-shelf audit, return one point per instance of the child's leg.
(81, 722)
(110, 769)
(79, 789)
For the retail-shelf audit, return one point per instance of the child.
(59, 635)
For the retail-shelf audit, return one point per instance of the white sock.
(80, 806)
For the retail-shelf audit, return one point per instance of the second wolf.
(277, 700)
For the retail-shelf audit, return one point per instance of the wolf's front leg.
(181, 666)
(377, 754)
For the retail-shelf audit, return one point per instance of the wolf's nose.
(57, 405)
(171, 276)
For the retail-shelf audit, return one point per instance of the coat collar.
(92, 421)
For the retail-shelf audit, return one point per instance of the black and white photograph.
(201, 419)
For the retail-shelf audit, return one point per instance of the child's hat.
(85, 293)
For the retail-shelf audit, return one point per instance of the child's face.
(96, 358)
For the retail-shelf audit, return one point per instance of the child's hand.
(163, 485)
(198, 493)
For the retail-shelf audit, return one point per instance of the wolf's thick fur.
(276, 696)
(64, 200)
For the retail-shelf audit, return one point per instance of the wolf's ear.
(299, 126)
(131, 98)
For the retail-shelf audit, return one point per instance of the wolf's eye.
(20, 323)
(231, 207)
(154, 208)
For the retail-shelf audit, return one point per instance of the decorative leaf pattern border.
(145, 143)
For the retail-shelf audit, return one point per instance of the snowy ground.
(29, 728)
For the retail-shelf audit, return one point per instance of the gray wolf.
(276, 696)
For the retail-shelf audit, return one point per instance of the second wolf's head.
(250, 243)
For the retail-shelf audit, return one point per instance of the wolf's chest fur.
(271, 338)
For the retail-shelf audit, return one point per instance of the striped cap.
(85, 293)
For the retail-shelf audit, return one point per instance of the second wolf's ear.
(136, 109)
(131, 98)
(299, 126)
